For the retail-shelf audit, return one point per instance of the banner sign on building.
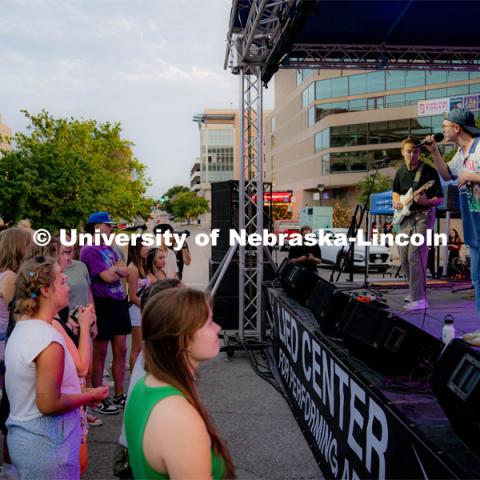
(351, 430)
(456, 102)
(438, 106)
(433, 107)
(471, 102)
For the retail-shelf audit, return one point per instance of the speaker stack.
(225, 214)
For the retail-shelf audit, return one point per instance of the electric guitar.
(407, 200)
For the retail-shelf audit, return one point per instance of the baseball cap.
(465, 118)
(100, 217)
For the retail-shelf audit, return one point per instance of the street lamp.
(321, 188)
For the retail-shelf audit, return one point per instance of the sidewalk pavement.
(252, 417)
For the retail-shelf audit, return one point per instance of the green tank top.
(137, 412)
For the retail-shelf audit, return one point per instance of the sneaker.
(119, 400)
(105, 407)
(416, 305)
(470, 336)
(93, 421)
(408, 298)
(8, 472)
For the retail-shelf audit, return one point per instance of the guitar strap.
(416, 180)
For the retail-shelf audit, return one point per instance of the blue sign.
(381, 203)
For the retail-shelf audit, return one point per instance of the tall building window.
(375, 82)
(322, 140)
(308, 95)
(395, 79)
(311, 117)
(358, 84)
(436, 76)
(414, 78)
(340, 87)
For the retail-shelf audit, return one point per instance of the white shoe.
(408, 298)
(416, 305)
(8, 472)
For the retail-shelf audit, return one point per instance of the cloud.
(149, 64)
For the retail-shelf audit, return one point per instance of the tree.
(64, 169)
(167, 197)
(382, 183)
(188, 205)
(342, 216)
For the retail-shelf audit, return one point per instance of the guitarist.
(414, 174)
(459, 127)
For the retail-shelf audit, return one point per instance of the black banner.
(352, 431)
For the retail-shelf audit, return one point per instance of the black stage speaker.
(225, 211)
(225, 305)
(456, 384)
(327, 304)
(224, 214)
(385, 340)
(299, 282)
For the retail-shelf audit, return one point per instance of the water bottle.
(448, 330)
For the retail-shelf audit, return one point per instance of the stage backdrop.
(352, 431)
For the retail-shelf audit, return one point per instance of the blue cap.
(100, 217)
(465, 118)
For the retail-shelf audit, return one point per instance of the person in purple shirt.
(111, 307)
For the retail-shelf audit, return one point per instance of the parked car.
(288, 227)
(378, 258)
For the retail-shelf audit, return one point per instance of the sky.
(148, 64)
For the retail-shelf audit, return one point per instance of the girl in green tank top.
(168, 431)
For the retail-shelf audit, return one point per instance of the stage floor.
(441, 302)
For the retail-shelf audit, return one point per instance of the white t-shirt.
(171, 267)
(29, 338)
(137, 373)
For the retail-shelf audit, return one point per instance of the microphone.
(438, 137)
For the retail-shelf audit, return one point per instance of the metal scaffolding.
(383, 56)
(258, 43)
(251, 201)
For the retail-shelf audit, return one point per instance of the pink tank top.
(4, 314)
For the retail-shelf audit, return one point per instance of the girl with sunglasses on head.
(41, 380)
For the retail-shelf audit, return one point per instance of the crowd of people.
(60, 308)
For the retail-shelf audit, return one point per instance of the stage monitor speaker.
(300, 282)
(284, 269)
(327, 303)
(456, 384)
(387, 341)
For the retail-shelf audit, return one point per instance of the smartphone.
(75, 314)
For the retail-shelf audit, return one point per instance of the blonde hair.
(409, 141)
(34, 274)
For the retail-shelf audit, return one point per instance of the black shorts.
(112, 318)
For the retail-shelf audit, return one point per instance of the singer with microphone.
(416, 193)
(459, 127)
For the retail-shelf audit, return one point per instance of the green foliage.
(382, 183)
(188, 205)
(64, 169)
(167, 199)
(342, 216)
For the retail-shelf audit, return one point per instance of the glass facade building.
(330, 125)
(217, 154)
